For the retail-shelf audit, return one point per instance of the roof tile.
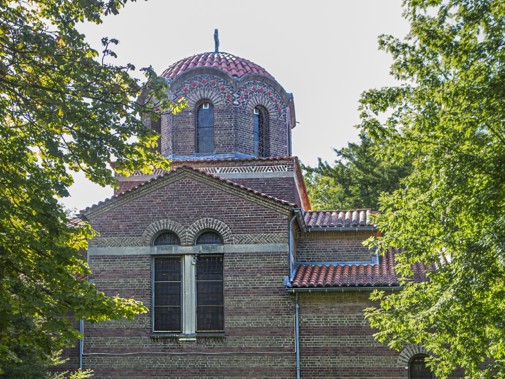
(229, 63)
(382, 274)
(339, 218)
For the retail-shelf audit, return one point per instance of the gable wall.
(259, 314)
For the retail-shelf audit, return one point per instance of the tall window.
(209, 287)
(205, 128)
(418, 368)
(209, 294)
(188, 290)
(167, 294)
(167, 287)
(261, 132)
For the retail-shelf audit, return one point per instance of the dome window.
(205, 128)
(261, 132)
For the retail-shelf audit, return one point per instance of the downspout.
(81, 342)
(297, 336)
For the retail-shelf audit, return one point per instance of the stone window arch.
(205, 224)
(160, 226)
(261, 131)
(204, 127)
(418, 368)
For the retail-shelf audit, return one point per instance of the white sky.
(324, 53)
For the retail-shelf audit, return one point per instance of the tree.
(62, 111)
(356, 179)
(448, 119)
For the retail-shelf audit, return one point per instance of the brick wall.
(333, 247)
(336, 340)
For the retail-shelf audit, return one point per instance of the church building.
(241, 278)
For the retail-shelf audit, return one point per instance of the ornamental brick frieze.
(243, 239)
(246, 95)
(245, 169)
(115, 241)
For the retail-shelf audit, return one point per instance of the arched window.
(209, 238)
(166, 238)
(418, 368)
(261, 132)
(205, 128)
(209, 286)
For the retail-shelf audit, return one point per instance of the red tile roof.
(382, 274)
(339, 218)
(229, 63)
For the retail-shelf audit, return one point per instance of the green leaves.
(448, 121)
(61, 110)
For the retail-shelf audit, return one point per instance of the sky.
(325, 53)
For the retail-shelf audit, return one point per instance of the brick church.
(240, 276)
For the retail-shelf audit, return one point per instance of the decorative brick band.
(243, 239)
(245, 169)
(169, 225)
(206, 224)
(407, 354)
(116, 242)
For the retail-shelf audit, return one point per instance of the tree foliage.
(356, 179)
(62, 110)
(448, 119)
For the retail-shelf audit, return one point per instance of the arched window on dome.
(156, 126)
(205, 127)
(261, 132)
(418, 368)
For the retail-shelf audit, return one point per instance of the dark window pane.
(167, 238)
(261, 132)
(167, 319)
(168, 269)
(209, 238)
(210, 294)
(167, 294)
(205, 128)
(210, 318)
(418, 368)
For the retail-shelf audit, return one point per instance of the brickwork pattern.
(333, 247)
(336, 340)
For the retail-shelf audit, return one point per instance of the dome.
(234, 66)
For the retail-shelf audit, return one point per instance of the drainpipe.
(297, 336)
(81, 343)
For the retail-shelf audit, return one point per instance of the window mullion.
(189, 298)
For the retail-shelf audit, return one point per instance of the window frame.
(412, 361)
(202, 129)
(261, 131)
(188, 287)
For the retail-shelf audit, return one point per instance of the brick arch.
(213, 95)
(208, 223)
(154, 228)
(407, 354)
(261, 100)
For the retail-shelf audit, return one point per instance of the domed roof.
(229, 63)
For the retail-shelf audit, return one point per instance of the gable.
(188, 196)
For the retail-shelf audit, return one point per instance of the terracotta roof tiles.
(339, 218)
(229, 63)
(382, 274)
